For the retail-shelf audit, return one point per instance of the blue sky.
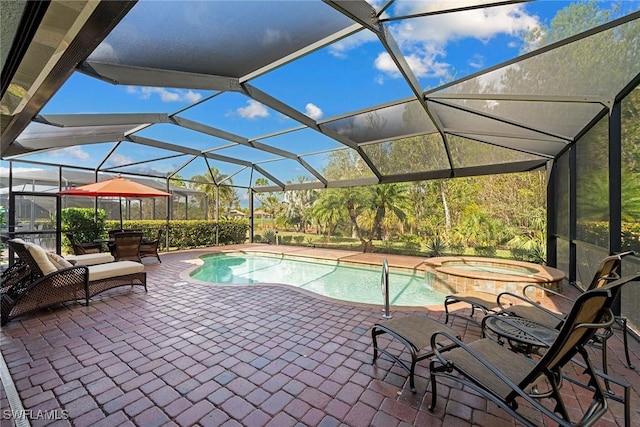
(354, 73)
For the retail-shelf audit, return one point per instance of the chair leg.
(434, 391)
(447, 301)
(622, 321)
(412, 384)
(607, 333)
(374, 334)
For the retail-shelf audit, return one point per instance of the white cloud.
(425, 65)
(75, 152)
(481, 24)
(119, 160)
(313, 111)
(379, 79)
(166, 95)
(253, 110)
(340, 48)
(5, 171)
(476, 61)
(424, 40)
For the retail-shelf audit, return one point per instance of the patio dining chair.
(83, 248)
(505, 378)
(149, 248)
(127, 245)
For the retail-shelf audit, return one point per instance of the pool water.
(328, 278)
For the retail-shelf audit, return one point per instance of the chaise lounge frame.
(503, 377)
(37, 290)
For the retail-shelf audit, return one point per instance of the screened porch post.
(615, 178)
(217, 212)
(251, 193)
(573, 226)
(59, 214)
(615, 187)
(168, 207)
(552, 208)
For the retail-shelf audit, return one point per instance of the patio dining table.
(523, 335)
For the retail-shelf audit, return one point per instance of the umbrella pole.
(120, 205)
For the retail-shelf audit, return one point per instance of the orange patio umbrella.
(115, 187)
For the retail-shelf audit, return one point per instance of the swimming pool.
(346, 282)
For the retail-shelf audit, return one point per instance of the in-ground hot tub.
(464, 274)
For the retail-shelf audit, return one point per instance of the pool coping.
(403, 262)
(543, 273)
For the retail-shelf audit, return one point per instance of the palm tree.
(388, 198)
(208, 183)
(329, 210)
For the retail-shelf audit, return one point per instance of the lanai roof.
(512, 116)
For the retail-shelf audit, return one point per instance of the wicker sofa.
(44, 279)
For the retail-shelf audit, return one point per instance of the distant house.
(236, 213)
(261, 214)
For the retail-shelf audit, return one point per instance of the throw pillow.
(58, 261)
(40, 257)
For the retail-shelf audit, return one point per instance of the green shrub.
(485, 251)
(519, 254)
(597, 233)
(298, 239)
(436, 247)
(286, 240)
(269, 237)
(411, 247)
(257, 238)
(456, 249)
(86, 224)
(185, 234)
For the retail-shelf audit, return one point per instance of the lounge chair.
(149, 248)
(503, 377)
(524, 306)
(83, 248)
(414, 332)
(52, 280)
(489, 303)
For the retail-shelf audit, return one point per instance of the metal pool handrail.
(384, 283)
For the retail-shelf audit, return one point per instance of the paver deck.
(187, 353)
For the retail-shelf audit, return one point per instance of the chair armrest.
(545, 290)
(505, 306)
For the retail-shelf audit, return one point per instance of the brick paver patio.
(192, 354)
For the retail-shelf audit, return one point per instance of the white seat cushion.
(91, 259)
(114, 269)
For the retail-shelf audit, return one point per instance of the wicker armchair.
(83, 248)
(127, 245)
(150, 247)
